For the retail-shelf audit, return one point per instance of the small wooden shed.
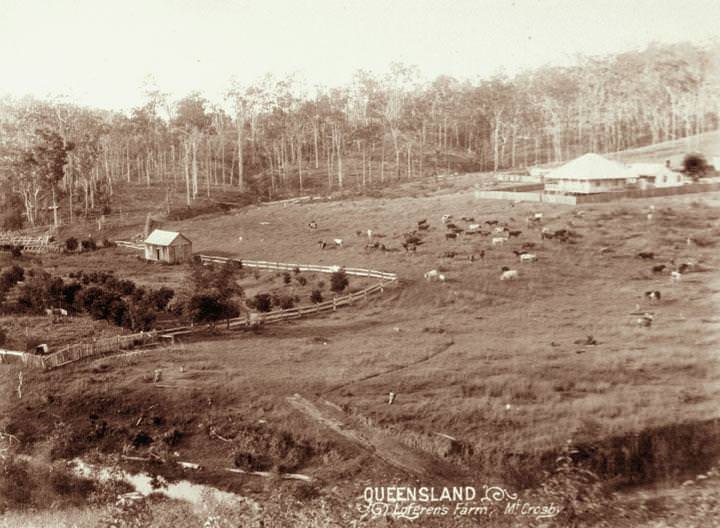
(168, 246)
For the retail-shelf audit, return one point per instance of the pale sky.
(101, 53)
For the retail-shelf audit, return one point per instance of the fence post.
(334, 303)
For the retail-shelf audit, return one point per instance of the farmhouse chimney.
(148, 226)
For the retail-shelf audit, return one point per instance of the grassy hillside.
(505, 368)
(708, 144)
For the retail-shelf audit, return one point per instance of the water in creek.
(199, 495)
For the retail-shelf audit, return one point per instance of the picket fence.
(525, 197)
(568, 199)
(29, 244)
(72, 353)
(292, 201)
(13, 356)
(130, 245)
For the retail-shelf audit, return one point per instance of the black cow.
(653, 295)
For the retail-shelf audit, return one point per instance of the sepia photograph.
(359, 263)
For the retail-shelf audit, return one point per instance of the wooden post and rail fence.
(80, 351)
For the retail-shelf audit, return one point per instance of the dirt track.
(390, 451)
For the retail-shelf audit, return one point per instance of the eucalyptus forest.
(275, 137)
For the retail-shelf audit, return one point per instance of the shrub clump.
(284, 302)
(695, 164)
(11, 276)
(262, 302)
(88, 245)
(100, 294)
(211, 307)
(71, 244)
(339, 281)
(316, 297)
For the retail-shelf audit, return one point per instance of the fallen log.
(267, 474)
(135, 458)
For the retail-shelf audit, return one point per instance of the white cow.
(496, 241)
(509, 275)
(471, 228)
(528, 257)
(675, 276)
(338, 242)
(435, 276)
(432, 275)
(446, 218)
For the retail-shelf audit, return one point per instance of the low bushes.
(99, 294)
(15, 251)
(72, 244)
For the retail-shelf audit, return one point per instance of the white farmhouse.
(656, 175)
(588, 174)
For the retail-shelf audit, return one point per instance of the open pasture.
(504, 367)
(518, 342)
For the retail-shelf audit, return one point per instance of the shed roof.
(591, 167)
(164, 238)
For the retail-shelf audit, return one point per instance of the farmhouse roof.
(163, 238)
(591, 167)
(649, 169)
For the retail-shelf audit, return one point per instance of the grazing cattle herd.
(499, 235)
